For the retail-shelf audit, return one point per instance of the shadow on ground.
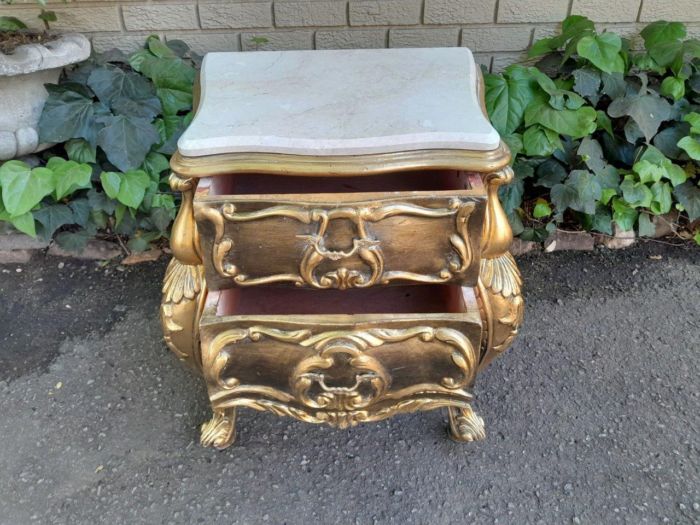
(591, 418)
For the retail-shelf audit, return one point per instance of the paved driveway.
(591, 418)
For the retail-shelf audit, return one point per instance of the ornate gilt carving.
(465, 424)
(501, 304)
(497, 235)
(184, 238)
(184, 293)
(315, 252)
(220, 431)
(340, 383)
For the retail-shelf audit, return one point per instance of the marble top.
(344, 102)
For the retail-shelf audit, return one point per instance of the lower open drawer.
(341, 357)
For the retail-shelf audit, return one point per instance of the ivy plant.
(116, 120)
(601, 135)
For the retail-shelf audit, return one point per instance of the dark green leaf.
(550, 173)
(171, 73)
(81, 211)
(507, 96)
(51, 218)
(111, 83)
(158, 48)
(563, 196)
(126, 140)
(173, 101)
(646, 227)
(592, 154)
(648, 111)
(688, 195)
(65, 116)
(155, 164)
(667, 140)
(614, 85)
(588, 191)
(100, 201)
(80, 150)
(540, 141)
(587, 83)
(146, 108)
(73, 241)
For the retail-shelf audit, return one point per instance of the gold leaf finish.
(363, 246)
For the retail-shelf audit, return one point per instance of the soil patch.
(11, 40)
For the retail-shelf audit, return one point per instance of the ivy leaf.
(588, 191)
(515, 144)
(661, 200)
(541, 209)
(688, 195)
(648, 111)
(587, 83)
(158, 48)
(73, 241)
(51, 218)
(507, 96)
(592, 154)
(540, 142)
(99, 201)
(603, 51)
(604, 122)
(648, 172)
(24, 222)
(614, 85)
(171, 73)
(673, 87)
(563, 196)
(67, 115)
(128, 188)
(600, 221)
(646, 227)
(126, 140)
(636, 194)
(550, 173)
(69, 176)
(663, 41)
(146, 108)
(80, 150)
(667, 140)
(24, 187)
(173, 100)
(575, 123)
(691, 146)
(623, 214)
(155, 164)
(694, 120)
(10, 23)
(112, 83)
(81, 211)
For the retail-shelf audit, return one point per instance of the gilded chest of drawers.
(340, 254)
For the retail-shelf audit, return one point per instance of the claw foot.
(466, 425)
(220, 431)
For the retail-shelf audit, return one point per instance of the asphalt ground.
(592, 417)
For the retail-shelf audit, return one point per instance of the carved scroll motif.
(317, 394)
(363, 245)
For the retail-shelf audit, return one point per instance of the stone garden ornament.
(23, 74)
(340, 254)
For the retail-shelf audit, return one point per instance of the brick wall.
(498, 31)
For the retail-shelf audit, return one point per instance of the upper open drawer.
(340, 232)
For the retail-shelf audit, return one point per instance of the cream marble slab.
(344, 102)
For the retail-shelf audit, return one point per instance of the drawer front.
(340, 373)
(340, 242)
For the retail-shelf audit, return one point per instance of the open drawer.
(340, 232)
(341, 357)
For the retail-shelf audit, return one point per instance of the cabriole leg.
(220, 431)
(465, 425)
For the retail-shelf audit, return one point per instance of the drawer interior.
(427, 299)
(422, 181)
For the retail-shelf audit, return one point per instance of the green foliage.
(603, 135)
(10, 23)
(116, 125)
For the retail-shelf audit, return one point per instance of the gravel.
(592, 417)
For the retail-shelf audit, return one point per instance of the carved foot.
(466, 425)
(220, 431)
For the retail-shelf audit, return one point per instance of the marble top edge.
(262, 129)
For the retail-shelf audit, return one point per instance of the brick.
(497, 38)
(459, 11)
(126, 43)
(423, 37)
(384, 12)
(351, 39)
(235, 16)
(684, 10)
(317, 14)
(160, 16)
(204, 42)
(607, 11)
(530, 11)
(87, 19)
(280, 40)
